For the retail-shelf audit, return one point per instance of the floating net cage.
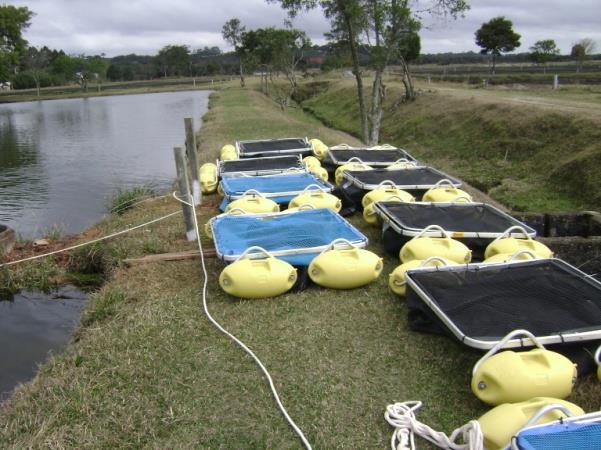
(371, 157)
(296, 237)
(269, 165)
(475, 224)
(478, 304)
(273, 147)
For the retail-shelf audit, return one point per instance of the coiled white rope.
(402, 417)
(93, 241)
(242, 345)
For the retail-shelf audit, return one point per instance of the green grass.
(147, 370)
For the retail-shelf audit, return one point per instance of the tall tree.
(36, 62)
(495, 37)
(544, 51)
(232, 33)
(581, 50)
(13, 21)
(173, 60)
(384, 27)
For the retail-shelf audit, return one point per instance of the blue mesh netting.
(292, 233)
(271, 185)
(566, 436)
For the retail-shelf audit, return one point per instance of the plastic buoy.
(257, 277)
(521, 255)
(445, 191)
(502, 422)
(423, 247)
(320, 150)
(208, 227)
(402, 163)
(508, 244)
(228, 152)
(253, 202)
(345, 268)
(354, 164)
(315, 195)
(369, 212)
(598, 361)
(385, 189)
(311, 162)
(208, 178)
(510, 377)
(397, 282)
(320, 173)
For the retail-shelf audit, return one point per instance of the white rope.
(242, 345)
(93, 241)
(136, 201)
(402, 417)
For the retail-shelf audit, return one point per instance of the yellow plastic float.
(369, 212)
(510, 377)
(397, 280)
(303, 207)
(520, 255)
(311, 162)
(345, 268)
(208, 227)
(508, 244)
(385, 189)
(501, 423)
(598, 360)
(208, 178)
(423, 247)
(444, 191)
(320, 150)
(320, 173)
(315, 196)
(253, 202)
(228, 152)
(354, 164)
(402, 163)
(249, 277)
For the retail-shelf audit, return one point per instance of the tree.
(36, 62)
(543, 52)
(581, 50)
(232, 33)
(387, 26)
(13, 21)
(495, 37)
(173, 60)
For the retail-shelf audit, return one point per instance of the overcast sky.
(117, 27)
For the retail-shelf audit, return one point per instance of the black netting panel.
(273, 145)
(423, 176)
(543, 297)
(251, 164)
(467, 218)
(370, 156)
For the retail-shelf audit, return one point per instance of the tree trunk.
(37, 85)
(494, 63)
(242, 83)
(407, 81)
(377, 100)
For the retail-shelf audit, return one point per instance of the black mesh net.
(545, 297)
(261, 164)
(370, 156)
(274, 146)
(422, 176)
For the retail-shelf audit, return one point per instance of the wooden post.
(555, 81)
(184, 191)
(192, 155)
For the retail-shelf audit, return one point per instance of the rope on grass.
(93, 241)
(402, 417)
(136, 201)
(241, 344)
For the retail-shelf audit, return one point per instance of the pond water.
(31, 325)
(62, 160)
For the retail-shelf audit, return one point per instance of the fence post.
(184, 191)
(555, 81)
(192, 155)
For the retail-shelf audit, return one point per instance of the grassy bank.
(148, 370)
(527, 157)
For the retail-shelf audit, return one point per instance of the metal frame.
(580, 336)
(255, 172)
(333, 152)
(291, 252)
(241, 154)
(352, 180)
(328, 187)
(388, 218)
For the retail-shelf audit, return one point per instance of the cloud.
(144, 26)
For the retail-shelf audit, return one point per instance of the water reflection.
(61, 160)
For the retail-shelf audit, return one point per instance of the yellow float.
(311, 162)
(369, 212)
(320, 173)
(354, 164)
(422, 247)
(208, 227)
(501, 423)
(521, 255)
(397, 280)
(508, 244)
(253, 202)
(345, 268)
(598, 361)
(320, 150)
(303, 207)
(257, 277)
(315, 196)
(445, 191)
(402, 163)
(208, 178)
(385, 189)
(228, 152)
(510, 377)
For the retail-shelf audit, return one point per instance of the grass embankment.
(148, 370)
(529, 158)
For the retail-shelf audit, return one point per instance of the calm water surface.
(61, 160)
